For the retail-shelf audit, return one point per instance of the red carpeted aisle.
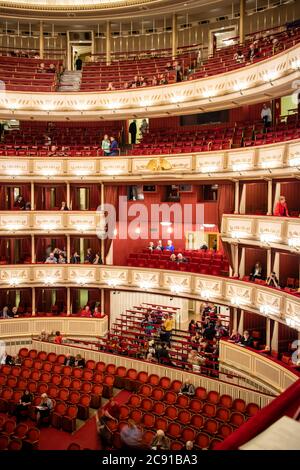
(86, 436)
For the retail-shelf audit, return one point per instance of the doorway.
(80, 47)
(139, 127)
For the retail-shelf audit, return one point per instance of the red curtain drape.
(111, 196)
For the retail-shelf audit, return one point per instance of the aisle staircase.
(70, 81)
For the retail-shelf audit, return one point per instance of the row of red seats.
(17, 436)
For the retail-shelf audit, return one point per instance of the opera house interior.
(152, 149)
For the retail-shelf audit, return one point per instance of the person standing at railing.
(266, 115)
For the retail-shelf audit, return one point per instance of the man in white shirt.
(266, 115)
(51, 259)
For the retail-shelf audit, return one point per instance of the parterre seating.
(199, 261)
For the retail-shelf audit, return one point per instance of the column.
(236, 261)
(68, 196)
(32, 249)
(242, 20)
(235, 318)
(68, 249)
(269, 261)
(174, 36)
(41, 40)
(102, 301)
(237, 197)
(102, 209)
(68, 301)
(268, 332)
(32, 196)
(270, 199)
(108, 43)
(241, 323)
(274, 341)
(33, 301)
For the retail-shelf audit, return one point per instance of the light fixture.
(82, 172)
(137, 230)
(270, 76)
(238, 234)
(208, 94)
(268, 238)
(113, 282)
(238, 301)
(14, 172)
(240, 87)
(268, 310)
(208, 225)
(81, 281)
(82, 227)
(49, 172)
(13, 227)
(49, 280)
(294, 242)
(209, 169)
(296, 64)
(240, 166)
(115, 232)
(176, 289)
(165, 224)
(206, 294)
(270, 164)
(177, 99)
(295, 160)
(145, 103)
(145, 285)
(113, 172)
(48, 227)
(14, 281)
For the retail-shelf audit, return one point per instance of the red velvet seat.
(83, 406)
(170, 397)
(158, 408)
(96, 395)
(136, 415)
(171, 412)
(157, 394)
(69, 419)
(197, 421)
(202, 440)
(237, 419)
(174, 430)
(239, 405)
(223, 414)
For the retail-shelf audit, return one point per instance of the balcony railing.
(278, 160)
(271, 303)
(275, 76)
(257, 230)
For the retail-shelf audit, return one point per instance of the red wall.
(256, 197)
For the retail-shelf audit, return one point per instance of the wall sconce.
(176, 289)
(145, 285)
(113, 282)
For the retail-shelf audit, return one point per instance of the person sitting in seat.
(272, 280)
(97, 259)
(58, 338)
(51, 259)
(181, 258)
(110, 87)
(281, 208)
(170, 246)
(64, 206)
(239, 57)
(23, 405)
(160, 441)
(113, 147)
(235, 337)
(61, 259)
(247, 340)
(187, 389)
(44, 408)
(69, 360)
(151, 246)
(75, 259)
(20, 202)
(86, 312)
(89, 256)
(43, 336)
(256, 272)
(159, 246)
(79, 361)
(173, 257)
(131, 436)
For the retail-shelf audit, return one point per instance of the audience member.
(187, 389)
(235, 337)
(160, 441)
(106, 145)
(151, 246)
(69, 360)
(189, 445)
(51, 259)
(266, 115)
(5, 312)
(170, 246)
(20, 202)
(256, 272)
(110, 87)
(113, 147)
(79, 361)
(75, 259)
(64, 206)
(132, 131)
(173, 257)
(44, 336)
(239, 57)
(58, 338)
(23, 406)
(272, 280)
(159, 246)
(86, 312)
(44, 408)
(181, 258)
(281, 208)
(89, 256)
(247, 340)
(131, 435)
